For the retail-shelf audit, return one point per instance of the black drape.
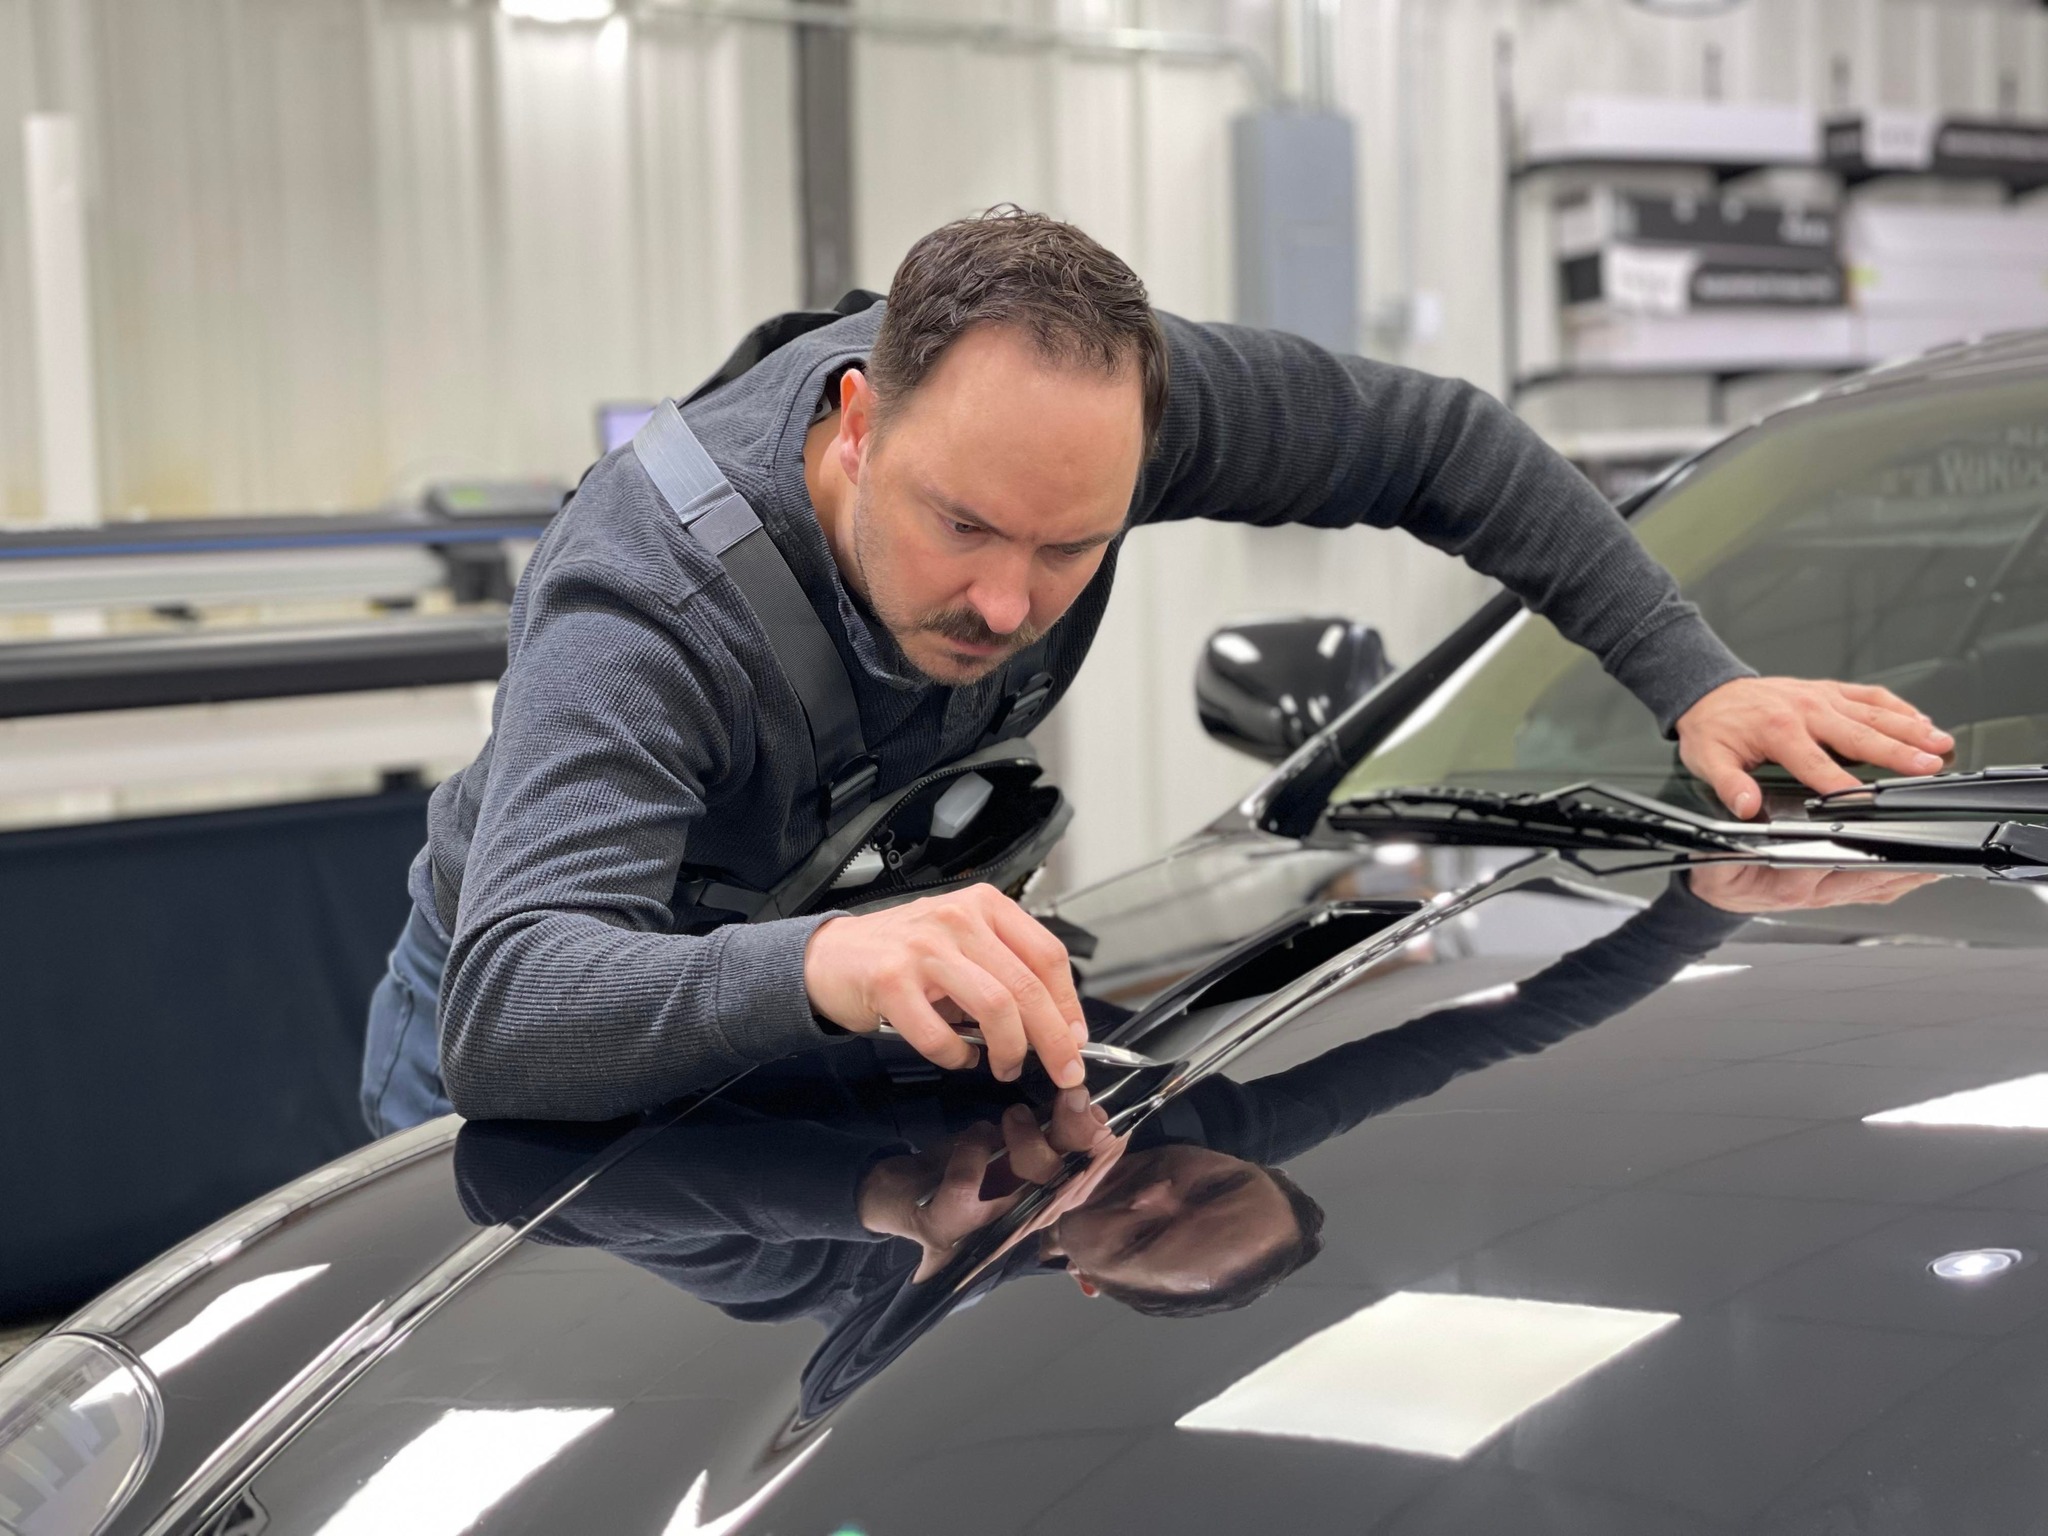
(181, 1022)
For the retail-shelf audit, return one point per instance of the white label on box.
(1647, 282)
(1898, 138)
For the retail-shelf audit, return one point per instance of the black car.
(1490, 1137)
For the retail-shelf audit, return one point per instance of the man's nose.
(1003, 601)
(1152, 1198)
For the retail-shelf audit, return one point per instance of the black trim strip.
(61, 677)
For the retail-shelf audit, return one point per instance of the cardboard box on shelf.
(1714, 341)
(1886, 337)
(1886, 140)
(1589, 127)
(1874, 231)
(1604, 215)
(2004, 293)
(1654, 253)
(1671, 282)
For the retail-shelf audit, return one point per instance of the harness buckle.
(1021, 708)
(855, 784)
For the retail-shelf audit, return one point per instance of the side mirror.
(1266, 688)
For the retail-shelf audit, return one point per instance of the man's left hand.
(1793, 722)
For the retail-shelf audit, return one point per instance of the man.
(948, 477)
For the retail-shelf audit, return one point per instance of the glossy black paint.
(1700, 1152)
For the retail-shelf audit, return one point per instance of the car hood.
(1628, 1207)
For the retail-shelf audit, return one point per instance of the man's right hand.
(972, 954)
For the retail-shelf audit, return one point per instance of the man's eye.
(962, 528)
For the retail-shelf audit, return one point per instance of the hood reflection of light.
(225, 1312)
(688, 1520)
(1707, 972)
(2018, 1105)
(442, 1482)
(1432, 1375)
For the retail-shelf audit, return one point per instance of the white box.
(1975, 237)
(2013, 293)
(1883, 338)
(1716, 340)
(1670, 128)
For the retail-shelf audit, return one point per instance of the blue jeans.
(402, 1052)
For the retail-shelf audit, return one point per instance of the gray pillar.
(824, 132)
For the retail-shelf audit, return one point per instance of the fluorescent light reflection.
(445, 1480)
(2018, 1105)
(688, 1520)
(1501, 993)
(226, 1312)
(1427, 1374)
(1707, 972)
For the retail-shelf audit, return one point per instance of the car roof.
(2003, 352)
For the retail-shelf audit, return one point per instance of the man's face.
(1181, 1219)
(985, 506)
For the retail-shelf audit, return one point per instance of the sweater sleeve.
(567, 994)
(1264, 427)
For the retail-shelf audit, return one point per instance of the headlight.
(79, 1422)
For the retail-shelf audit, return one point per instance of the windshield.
(1895, 539)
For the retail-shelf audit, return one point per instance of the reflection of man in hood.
(812, 1186)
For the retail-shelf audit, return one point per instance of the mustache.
(968, 627)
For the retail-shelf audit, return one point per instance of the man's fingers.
(1913, 729)
(1038, 947)
(1077, 1122)
(1866, 744)
(985, 999)
(1046, 1029)
(1032, 1157)
(1725, 775)
(916, 1020)
(1804, 758)
(1883, 698)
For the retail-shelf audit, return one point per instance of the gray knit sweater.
(643, 724)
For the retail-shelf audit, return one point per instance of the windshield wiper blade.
(1595, 815)
(1577, 816)
(2016, 791)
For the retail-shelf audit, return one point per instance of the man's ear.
(856, 422)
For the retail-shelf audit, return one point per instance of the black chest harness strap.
(704, 501)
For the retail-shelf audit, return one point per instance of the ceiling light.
(2018, 1105)
(1431, 1375)
(1975, 1263)
(560, 12)
(1397, 853)
(442, 1482)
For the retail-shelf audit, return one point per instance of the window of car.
(1898, 537)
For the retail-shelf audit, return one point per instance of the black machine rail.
(221, 535)
(57, 677)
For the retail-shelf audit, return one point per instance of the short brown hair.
(1077, 299)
